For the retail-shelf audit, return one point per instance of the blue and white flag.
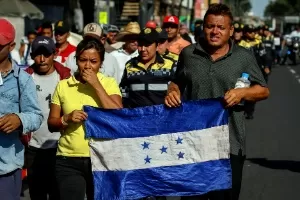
(159, 151)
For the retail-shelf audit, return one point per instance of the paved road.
(273, 165)
(273, 137)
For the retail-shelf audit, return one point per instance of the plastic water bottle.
(242, 82)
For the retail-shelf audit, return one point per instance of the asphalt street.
(272, 168)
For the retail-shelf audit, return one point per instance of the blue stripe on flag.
(182, 180)
(147, 121)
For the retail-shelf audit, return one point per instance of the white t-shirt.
(295, 34)
(122, 58)
(45, 86)
(109, 67)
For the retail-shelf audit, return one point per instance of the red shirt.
(66, 52)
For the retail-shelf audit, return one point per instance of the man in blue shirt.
(19, 114)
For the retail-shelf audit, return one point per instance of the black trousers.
(40, 164)
(237, 164)
(74, 178)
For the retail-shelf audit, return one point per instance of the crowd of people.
(114, 69)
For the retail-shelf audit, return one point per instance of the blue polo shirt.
(26, 107)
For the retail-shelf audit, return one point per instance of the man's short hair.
(219, 9)
(47, 24)
(31, 33)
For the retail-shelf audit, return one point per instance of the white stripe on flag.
(132, 153)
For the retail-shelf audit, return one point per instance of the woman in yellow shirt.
(86, 87)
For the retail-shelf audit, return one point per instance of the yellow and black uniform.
(238, 27)
(268, 42)
(172, 56)
(145, 87)
(255, 46)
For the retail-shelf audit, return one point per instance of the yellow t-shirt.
(71, 95)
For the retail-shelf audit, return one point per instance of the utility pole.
(146, 11)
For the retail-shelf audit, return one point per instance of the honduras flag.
(159, 151)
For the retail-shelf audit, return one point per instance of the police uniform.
(238, 27)
(257, 35)
(256, 47)
(172, 56)
(268, 42)
(143, 86)
(259, 51)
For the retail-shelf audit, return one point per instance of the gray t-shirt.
(45, 86)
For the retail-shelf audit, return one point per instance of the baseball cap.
(61, 27)
(148, 36)
(7, 32)
(92, 29)
(150, 24)
(249, 28)
(238, 26)
(171, 20)
(104, 28)
(113, 28)
(43, 42)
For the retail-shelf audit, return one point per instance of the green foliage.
(283, 8)
(239, 7)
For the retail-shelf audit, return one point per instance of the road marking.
(293, 71)
(296, 75)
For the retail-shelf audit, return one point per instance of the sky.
(258, 7)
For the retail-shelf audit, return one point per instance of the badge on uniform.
(1, 80)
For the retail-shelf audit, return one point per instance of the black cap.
(163, 35)
(61, 27)
(148, 36)
(249, 28)
(238, 26)
(43, 43)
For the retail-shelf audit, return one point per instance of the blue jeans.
(11, 185)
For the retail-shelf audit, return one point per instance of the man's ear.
(12, 46)
(231, 30)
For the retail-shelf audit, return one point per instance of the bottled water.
(243, 82)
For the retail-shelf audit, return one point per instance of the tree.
(239, 7)
(283, 8)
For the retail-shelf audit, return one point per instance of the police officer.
(259, 33)
(250, 42)
(238, 32)
(268, 42)
(146, 77)
(163, 44)
(259, 51)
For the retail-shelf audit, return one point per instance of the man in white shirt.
(296, 33)
(129, 50)
(109, 65)
(41, 151)
(21, 56)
